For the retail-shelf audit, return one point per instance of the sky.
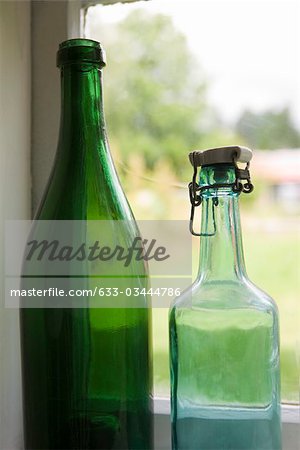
(249, 49)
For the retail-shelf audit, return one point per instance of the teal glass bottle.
(224, 338)
(87, 372)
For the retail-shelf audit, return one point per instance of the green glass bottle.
(87, 372)
(224, 340)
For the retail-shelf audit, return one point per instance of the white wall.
(49, 28)
(15, 118)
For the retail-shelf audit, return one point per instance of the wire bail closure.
(195, 191)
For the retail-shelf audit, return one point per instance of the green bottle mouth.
(78, 51)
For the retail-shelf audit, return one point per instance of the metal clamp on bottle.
(221, 155)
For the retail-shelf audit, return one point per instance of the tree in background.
(268, 130)
(155, 93)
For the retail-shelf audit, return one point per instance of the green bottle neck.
(82, 118)
(221, 249)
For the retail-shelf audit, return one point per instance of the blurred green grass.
(272, 261)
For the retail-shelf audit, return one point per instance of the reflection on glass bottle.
(224, 338)
(86, 371)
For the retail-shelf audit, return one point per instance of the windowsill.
(290, 425)
(290, 413)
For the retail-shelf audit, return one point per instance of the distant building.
(281, 171)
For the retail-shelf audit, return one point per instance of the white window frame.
(44, 47)
(15, 139)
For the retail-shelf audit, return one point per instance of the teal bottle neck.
(221, 249)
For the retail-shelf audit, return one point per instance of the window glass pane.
(196, 74)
